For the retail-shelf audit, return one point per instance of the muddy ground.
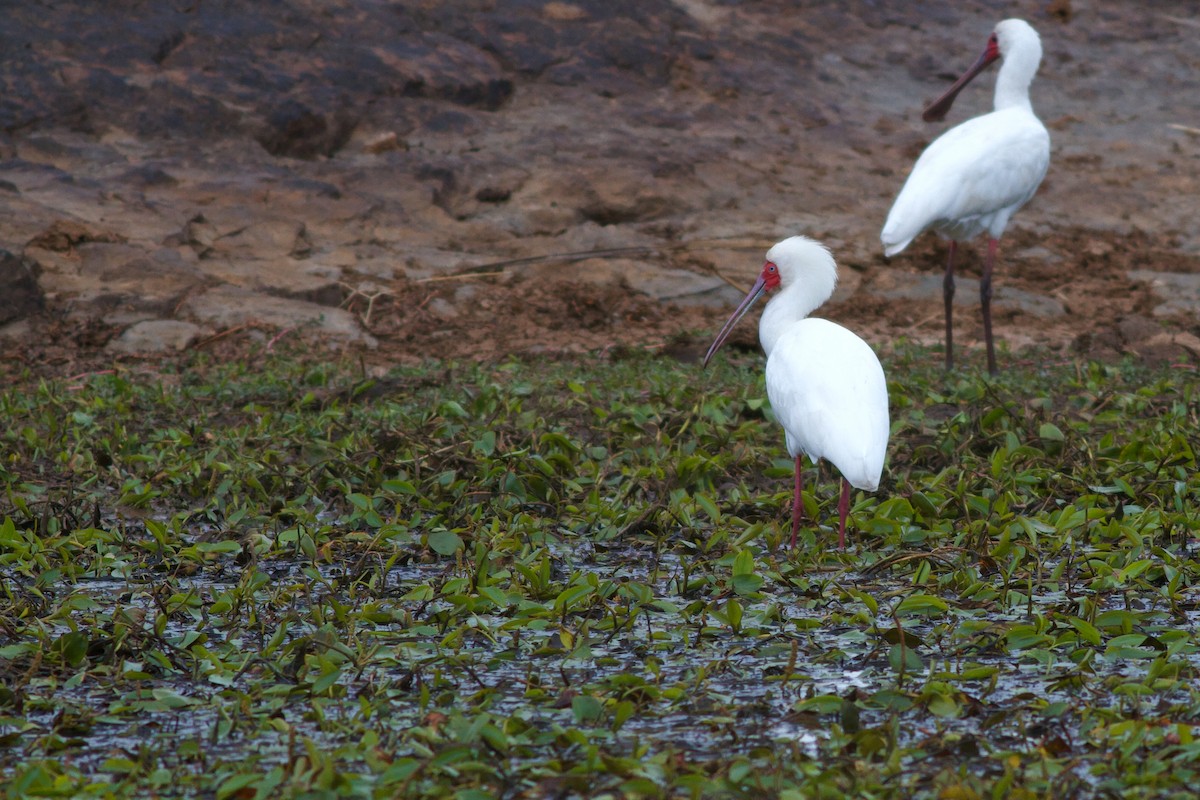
(430, 179)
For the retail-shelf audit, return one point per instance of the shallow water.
(702, 687)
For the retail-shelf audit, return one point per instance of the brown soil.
(1108, 314)
(740, 124)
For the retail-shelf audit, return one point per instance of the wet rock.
(586, 193)
(1144, 338)
(114, 274)
(284, 277)
(895, 284)
(269, 238)
(145, 176)
(609, 45)
(20, 294)
(1170, 346)
(199, 70)
(236, 232)
(678, 286)
(165, 108)
(382, 142)
(156, 336)
(1137, 328)
(442, 309)
(616, 195)
(65, 235)
(17, 330)
(230, 306)
(298, 131)
(1179, 292)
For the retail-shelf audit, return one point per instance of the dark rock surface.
(486, 176)
(20, 295)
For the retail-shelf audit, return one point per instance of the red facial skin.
(768, 280)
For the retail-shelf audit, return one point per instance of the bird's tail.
(892, 241)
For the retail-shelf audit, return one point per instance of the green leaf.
(72, 647)
(452, 409)
(495, 595)
(747, 584)
(13, 651)
(586, 708)
(906, 659)
(898, 635)
(1134, 569)
(820, 704)
(942, 705)
(232, 785)
(622, 713)
(708, 507)
(486, 444)
(1050, 432)
(326, 680)
(572, 595)
(445, 543)
(733, 612)
(1087, 631)
(922, 604)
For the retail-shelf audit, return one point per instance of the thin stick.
(277, 337)
(222, 334)
(1192, 23)
(498, 267)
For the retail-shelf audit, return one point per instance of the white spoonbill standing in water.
(825, 384)
(975, 176)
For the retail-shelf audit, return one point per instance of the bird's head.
(797, 261)
(1012, 35)
(937, 110)
(1012, 38)
(801, 260)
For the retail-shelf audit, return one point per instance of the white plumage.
(829, 393)
(825, 384)
(975, 176)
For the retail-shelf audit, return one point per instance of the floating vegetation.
(571, 578)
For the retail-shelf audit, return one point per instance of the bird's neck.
(1012, 84)
(785, 309)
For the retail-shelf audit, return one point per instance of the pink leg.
(985, 300)
(948, 298)
(797, 501)
(843, 510)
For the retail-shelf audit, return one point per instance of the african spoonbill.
(975, 176)
(825, 384)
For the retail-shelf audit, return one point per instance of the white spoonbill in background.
(974, 176)
(825, 384)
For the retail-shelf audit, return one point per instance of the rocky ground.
(474, 178)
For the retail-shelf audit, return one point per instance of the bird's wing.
(985, 165)
(828, 391)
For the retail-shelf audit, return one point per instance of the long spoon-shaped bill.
(937, 110)
(756, 290)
